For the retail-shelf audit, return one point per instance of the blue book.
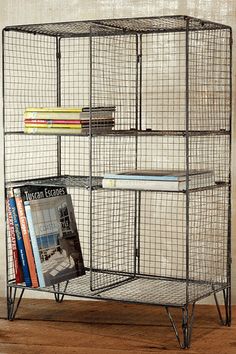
(34, 244)
(19, 239)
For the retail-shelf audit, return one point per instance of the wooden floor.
(90, 327)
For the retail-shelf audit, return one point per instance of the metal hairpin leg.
(227, 305)
(187, 325)
(13, 302)
(59, 294)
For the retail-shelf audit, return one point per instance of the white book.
(34, 244)
(171, 181)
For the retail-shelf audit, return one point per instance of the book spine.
(54, 109)
(26, 238)
(52, 115)
(52, 125)
(55, 121)
(99, 108)
(141, 177)
(15, 254)
(167, 185)
(34, 244)
(99, 114)
(66, 131)
(45, 122)
(51, 131)
(19, 239)
(140, 184)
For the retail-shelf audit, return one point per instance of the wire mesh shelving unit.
(170, 80)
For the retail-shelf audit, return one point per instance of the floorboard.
(88, 327)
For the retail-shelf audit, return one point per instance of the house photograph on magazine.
(57, 239)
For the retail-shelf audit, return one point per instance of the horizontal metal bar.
(134, 132)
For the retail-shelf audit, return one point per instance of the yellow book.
(52, 126)
(53, 113)
(54, 109)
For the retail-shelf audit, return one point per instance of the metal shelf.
(145, 290)
(134, 132)
(84, 182)
(68, 181)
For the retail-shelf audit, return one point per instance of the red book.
(26, 237)
(15, 255)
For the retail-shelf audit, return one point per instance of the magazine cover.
(32, 192)
(52, 224)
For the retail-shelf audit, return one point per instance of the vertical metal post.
(4, 164)
(140, 81)
(58, 59)
(140, 128)
(90, 156)
(187, 155)
(137, 91)
(229, 259)
(135, 246)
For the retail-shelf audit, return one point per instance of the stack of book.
(59, 120)
(159, 180)
(45, 242)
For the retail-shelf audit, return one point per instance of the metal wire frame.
(125, 26)
(106, 278)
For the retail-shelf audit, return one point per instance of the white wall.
(39, 11)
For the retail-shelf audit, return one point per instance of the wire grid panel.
(29, 157)
(74, 156)
(209, 80)
(114, 66)
(74, 84)
(29, 81)
(113, 154)
(208, 237)
(211, 152)
(80, 201)
(29, 75)
(162, 234)
(114, 61)
(161, 152)
(75, 71)
(112, 242)
(163, 81)
(108, 155)
(156, 291)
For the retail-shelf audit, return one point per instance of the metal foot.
(59, 291)
(187, 325)
(226, 319)
(13, 302)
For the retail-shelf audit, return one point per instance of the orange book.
(26, 237)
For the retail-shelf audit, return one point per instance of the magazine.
(52, 225)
